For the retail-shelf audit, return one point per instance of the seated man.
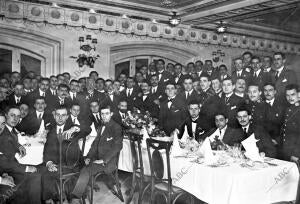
(196, 125)
(70, 135)
(223, 132)
(102, 156)
(264, 142)
(24, 108)
(24, 177)
(121, 114)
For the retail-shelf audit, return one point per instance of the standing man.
(178, 76)
(240, 71)
(189, 94)
(18, 97)
(53, 85)
(172, 111)
(163, 76)
(290, 129)
(42, 91)
(62, 98)
(258, 75)
(282, 76)
(129, 93)
(103, 154)
(255, 105)
(267, 64)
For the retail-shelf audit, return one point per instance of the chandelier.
(87, 55)
(174, 20)
(168, 3)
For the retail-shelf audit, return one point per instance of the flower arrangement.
(217, 144)
(136, 119)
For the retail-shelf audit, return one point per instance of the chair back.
(154, 148)
(71, 153)
(136, 151)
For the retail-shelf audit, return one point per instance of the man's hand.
(87, 161)
(68, 133)
(22, 151)
(52, 167)
(98, 161)
(31, 169)
(294, 159)
(8, 182)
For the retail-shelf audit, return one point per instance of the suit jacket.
(290, 129)
(92, 119)
(51, 148)
(180, 80)
(261, 79)
(30, 97)
(9, 144)
(274, 118)
(265, 143)
(118, 119)
(231, 135)
(210, 106)
(193, 97)
(165, 78)
(245, 74)
(201, 128)
(55, 102)
(286, 77)
(84, 126)
(258, 112)
(159, 94)
(170, 119)
(113, 104)
(12, 101)
(130, 99)
(107, 145)
(147, 105)
(230, 107)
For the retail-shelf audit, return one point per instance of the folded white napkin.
(176, 150)
(145, 137)
(207, 152)
(94, 131)
(252, 151)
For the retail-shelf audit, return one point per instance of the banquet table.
(231, 184)
(34, 154)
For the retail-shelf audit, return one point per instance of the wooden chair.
(114, 175)
(71, 157)
(160, 185)
(137, 167)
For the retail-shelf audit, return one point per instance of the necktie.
(153, 90)
(128, 93)
(170, 100)
(18, 100)
(277, 75)
(74, 120)
(220, 132)
(102, 130)
(98, 118)
(53, 92)
(188, 95)
(123, 115)
(40, 117)
(14, 134)
(226, 99)
(245, 131)
(238, 74)
(43, 94)
(60, 131)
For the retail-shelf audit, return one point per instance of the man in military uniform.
(290, 129)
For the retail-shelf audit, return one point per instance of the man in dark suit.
(241, 88)
(267, 64)
(223, 132)
(163, 76)
(91, 94)
(102, 156)
(24, 108)
(216, 86)
(195, 124)
(157, 92)
(283, 76)
(172, 111)
(111, 98)
(145, 102)
(36, 118)
(178, 76)
(70, 134)
(62, 98)
(77, 97)
(255, 104)
(129, 93)
(290, 129)
(18, 97)
(264, 142)
(53, 86)
(258, 76)
(94, 116)
(40, 92)
(230, 101)
(239, 71)
(189, 94)
(121, 114)
(275, 111)
(23, 175)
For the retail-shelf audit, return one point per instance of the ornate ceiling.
(246, 17)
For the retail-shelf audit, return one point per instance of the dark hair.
(178, 64)
(243, 108)
(75, 104)
(256, 57)
(193, 102)
(270, 84)
(45, 79)
(255, 84)
(63, 86)
(270, 58)
(93, 72)
(208, 61)
(223, 65)
(170, 64)
(229, 79)
(8, 108)
(66, 73)
(99, 79)
(18, 83)
(190, 63)
(161, 60)
(52, 76)
(106, 107)
(279, 53)
(61, 107)
(170, 83)
(204, 74)
(238, 58)
(292, 87)
(198, 62)
(74, 81)
(15, 72)
(108, 80)
(221, 113)
(247, 53)
(188, 78)
(40, 98)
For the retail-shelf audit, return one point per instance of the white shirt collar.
(240, 94)
(42, 92)
(9, 128)
(271, 102)
(280, 70)
(239, 72)
(16, 97)
(229, 95)
(257, 72)
(268, 69)
(189, 92)
(247, 127)
(222, 132)
(59, 127)
(38, 113)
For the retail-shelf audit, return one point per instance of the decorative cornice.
(37, 13)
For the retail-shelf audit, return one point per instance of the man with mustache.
(61, 99)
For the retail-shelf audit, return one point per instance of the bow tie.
(170, 100)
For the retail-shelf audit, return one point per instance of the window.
(5, 61)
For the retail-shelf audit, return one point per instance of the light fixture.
(92, 11)
(153, 21)
(87, 55)
(124, 16)
(221, 27)
(55, 5)
(174, 20)
(168, 3)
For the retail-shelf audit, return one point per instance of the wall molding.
(45, 14)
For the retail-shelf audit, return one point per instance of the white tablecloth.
(227, 185)
(34, 154)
